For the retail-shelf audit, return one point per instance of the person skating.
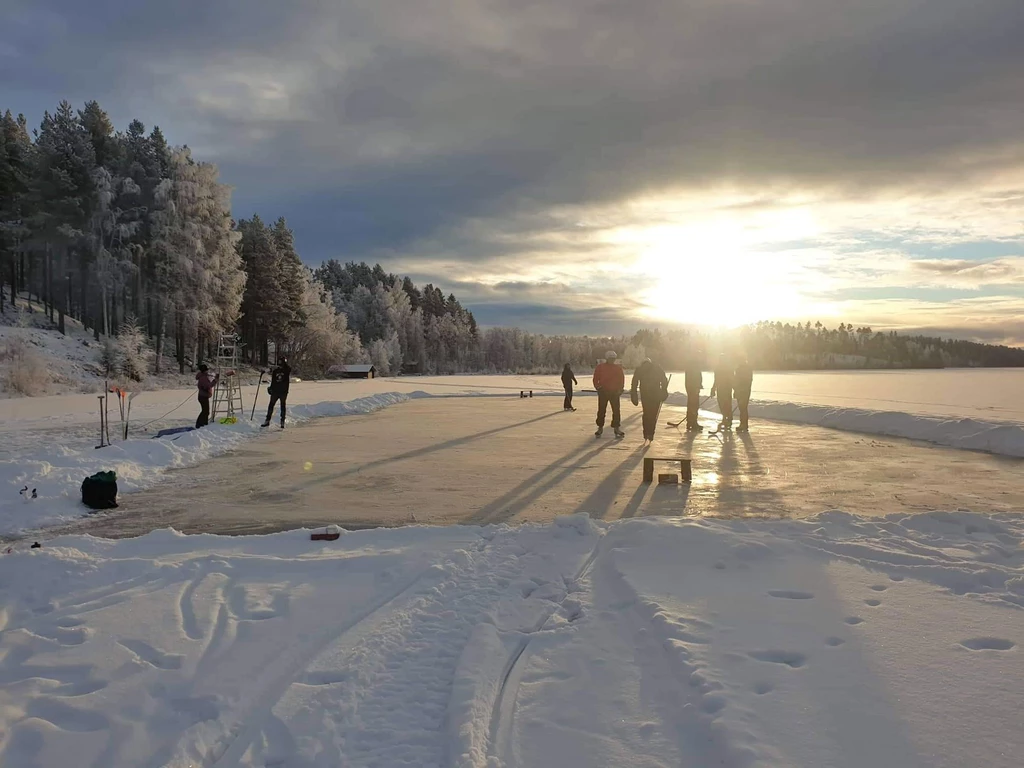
(609, 381)
(205, 383)
(694, 384)
(652, 382)
(742, 385)
(568, 379)
(280, 379)
(723, 389)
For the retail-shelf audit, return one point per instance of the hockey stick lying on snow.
(681, 421)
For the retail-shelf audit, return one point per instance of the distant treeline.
(785, 346)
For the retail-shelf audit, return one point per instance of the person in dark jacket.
(568, 379)
(694, 384)
(205, 383)
(650, 379)
(723, 388)
(743, 383)
(280, 379)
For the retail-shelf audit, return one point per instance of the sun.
(722, 270)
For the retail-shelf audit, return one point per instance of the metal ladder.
(227, 395)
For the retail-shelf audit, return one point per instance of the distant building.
(351, 372)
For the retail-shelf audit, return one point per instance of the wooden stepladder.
(227, 395)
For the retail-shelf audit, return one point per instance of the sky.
(594, 166)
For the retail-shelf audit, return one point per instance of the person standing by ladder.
(280, 379)
(205, 383)
(568, 379)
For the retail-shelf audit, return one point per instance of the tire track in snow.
(503, 709)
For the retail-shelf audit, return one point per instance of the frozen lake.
(991, 394)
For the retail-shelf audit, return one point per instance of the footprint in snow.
(879, 587)
(835, 642)
(763, 687)
(873, 603)
(853, 619)
(790, 594)
(988, 644)
(791, 659)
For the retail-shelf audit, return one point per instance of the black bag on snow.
(100, 491)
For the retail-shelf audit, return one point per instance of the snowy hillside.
(36, 359)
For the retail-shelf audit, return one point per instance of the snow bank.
(838, 640)
(57, 472)
(1002, 438)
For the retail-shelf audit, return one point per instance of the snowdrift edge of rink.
(1006, 439)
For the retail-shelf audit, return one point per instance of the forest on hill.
(135, 240)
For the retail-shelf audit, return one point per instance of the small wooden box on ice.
(683, 463)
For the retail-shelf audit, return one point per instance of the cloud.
(972, 274)
(584, 144)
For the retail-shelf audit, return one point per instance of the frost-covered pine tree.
(199, 272)
(133, 353)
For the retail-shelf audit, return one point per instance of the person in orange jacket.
(609, 381)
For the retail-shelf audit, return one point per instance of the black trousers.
(603, 399)
(274, 397)
(725, 405)
(204, 412)
(568, 397)
(692, 407)
(650, 417)
(743, 401)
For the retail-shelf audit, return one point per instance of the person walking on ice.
(205, 383)
(723, 389)
(694, 384)
(568, 379)
(742, 385)
(609, 381)
(280, 379)
(652, 382)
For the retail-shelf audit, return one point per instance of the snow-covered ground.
(836, 641)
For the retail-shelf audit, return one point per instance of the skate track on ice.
(484, 460)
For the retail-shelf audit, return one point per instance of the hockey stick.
(256, 397)
(681, 421)
(658, 415)
(721, 425)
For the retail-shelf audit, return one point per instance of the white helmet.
(610, 354)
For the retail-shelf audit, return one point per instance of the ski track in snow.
(837, 640)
